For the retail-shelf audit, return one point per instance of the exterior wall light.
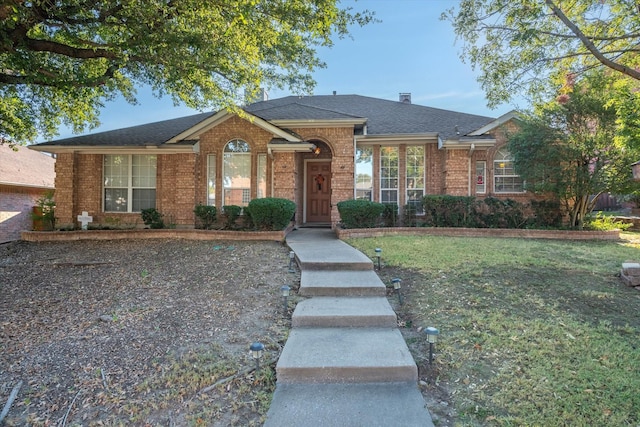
(396, 287)
(432, 337)
(256, 349)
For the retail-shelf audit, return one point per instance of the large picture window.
(389, 169)
(505, 178)
(129, 183)
(364, 173)
(415, 177)
(236, 173)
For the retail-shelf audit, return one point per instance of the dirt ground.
(131, 332)
(151, 332)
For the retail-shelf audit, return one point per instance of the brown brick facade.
(181, 181)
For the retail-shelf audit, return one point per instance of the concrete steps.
(356, 355)
(348, 312)
(348, 405)
(341, 283)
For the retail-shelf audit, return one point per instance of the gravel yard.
(137, 332)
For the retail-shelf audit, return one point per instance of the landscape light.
(432, 337)
(378, 255)
(285, 290)
(292, 256)
(256, 352)
(396, 286)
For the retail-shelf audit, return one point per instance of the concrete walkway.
(345, 362)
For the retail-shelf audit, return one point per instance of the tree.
(61, 60)
(526, 47)
(580, 145)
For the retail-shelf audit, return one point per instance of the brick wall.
(64, 192)
(16, 207)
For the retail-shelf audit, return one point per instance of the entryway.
(318, 192)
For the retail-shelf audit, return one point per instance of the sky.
(411, 51)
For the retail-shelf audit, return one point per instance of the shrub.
(206, 216)
(605, 223)
(360, 213)
(450, 211)
(271, 213)
(44, 215)
(390, 215)
(504, 213)
(152, 218)
(546, 213)
(410, 216)
(232, 213)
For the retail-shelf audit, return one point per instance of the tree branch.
(590, 46)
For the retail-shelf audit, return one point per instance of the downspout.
(470, 180)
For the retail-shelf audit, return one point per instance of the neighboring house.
(25, 176)
(315, 151)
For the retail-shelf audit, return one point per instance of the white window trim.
(505, 157)
(397, 189)
(407, 177)
(251, 178)
(130, 186)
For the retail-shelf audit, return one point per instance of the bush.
(504, 213)
(390, 215)
(152, 218)
(451, 211)
(603, 222)
(232, 213)
(410, 216)
(546, 214)
(271, 213)
(44, 214)
(360, 213)
(206, 216)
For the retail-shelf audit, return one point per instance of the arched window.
(505, 179)
(236, 173)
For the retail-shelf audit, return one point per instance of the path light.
(432, 337)
(285, 290)
(256, 352)
(378, 255)
(292, 256)
(396, 286)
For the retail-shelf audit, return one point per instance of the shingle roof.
(384, 117)
(25, 167)
(147, 134)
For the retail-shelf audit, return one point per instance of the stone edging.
(189, 234)
(478, 232)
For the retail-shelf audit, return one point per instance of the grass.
(533, 332)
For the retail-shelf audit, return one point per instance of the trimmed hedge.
(271, 213)
(451, 211)
(360, 213)
(206, 216)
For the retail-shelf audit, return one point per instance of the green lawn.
(533, 332)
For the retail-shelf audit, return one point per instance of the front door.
(319, 191)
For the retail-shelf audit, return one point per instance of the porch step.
(339, 405)
(344, 312)
(341, 355)
(341, 283)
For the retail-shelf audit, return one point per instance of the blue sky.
(411, 50)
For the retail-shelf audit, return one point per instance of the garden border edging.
(478, 232)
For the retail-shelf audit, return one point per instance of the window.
(364, 173)
(389, 174)
(505, 178)
(262, 176)
(481, 177)
(129, 183)
(236, 173)
(211, 179)
(415, 177)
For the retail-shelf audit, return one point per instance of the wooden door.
(319, 192)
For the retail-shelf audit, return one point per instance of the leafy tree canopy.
(526, 47)
(581, 144)
(61, 60)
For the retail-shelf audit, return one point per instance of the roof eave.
(120, 149)
(312, 123)
(467, 143)
(513, 114)
(397, 138)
